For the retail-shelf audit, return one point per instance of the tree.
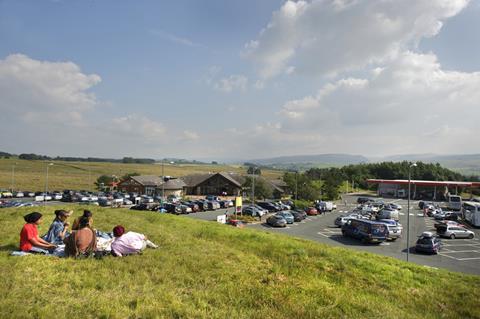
(254, 170)
(105, 180)
(127, 176)
(261, 188)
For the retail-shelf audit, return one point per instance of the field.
(208, 270)
(31, 175)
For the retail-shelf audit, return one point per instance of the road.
(462, 255)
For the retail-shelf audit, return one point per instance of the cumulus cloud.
(42, 91)
(135, 126)
(231, 83)
(412, 97)
(331, 36)
(190, 136)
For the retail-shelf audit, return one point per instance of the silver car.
(394, 228)
(453, 232)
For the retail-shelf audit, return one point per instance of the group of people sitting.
(81, 241)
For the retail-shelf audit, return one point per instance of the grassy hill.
(207, 270)
(31, 175)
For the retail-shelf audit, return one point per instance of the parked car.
(311, 211)
(341, 220)
(394, 206)
(268, 206)
(212, 197)
(276, 221)
(287, 216)
(142, 206)
(394, 228)
(58, 196)
(363, 200)
(225, 203)
(324, 206)
(127, 202)
(453, 232)
(428, 243)
(366, 230)
(18, 194)
(202, 205)
(422, 204)
(298, 216)
(104, 202)
(446, 216)
(6, 194)
(252, 211)
(172, 208)
(388, 214)
(447, 222)
(236, 223)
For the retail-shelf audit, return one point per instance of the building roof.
(278, 182)
(148, 180)
(423, 183)
(173, 184)
(195, 179)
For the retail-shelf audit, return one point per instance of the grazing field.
(208, 270)
(31, 175)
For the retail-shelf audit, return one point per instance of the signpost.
(238, 205)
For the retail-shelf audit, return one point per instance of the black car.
(140, 207)
(427, 243)
(268, 206)
(172, 208)
(202, 205)
(276, 221)
(363, 200)
(298, 216)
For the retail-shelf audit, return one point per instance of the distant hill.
(309, 161)
(467, 164)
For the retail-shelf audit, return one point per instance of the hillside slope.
(207, 270)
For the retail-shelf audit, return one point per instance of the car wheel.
(452, 236)
(470, 236)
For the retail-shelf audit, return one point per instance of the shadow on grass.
(8, 247)
(349, 241)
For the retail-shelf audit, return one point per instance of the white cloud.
(231, 83)
(45, 92)
(137, 126)
(175, 39)
(190, 135)
(412, 99)
(327, 37)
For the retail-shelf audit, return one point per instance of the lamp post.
(13, 176)
(163, 180)
(408, 207)
(296, 187)
(46, 184)
(253, 185)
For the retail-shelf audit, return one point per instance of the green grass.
(31, 175)
(208, 270)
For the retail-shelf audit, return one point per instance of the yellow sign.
(238, 204)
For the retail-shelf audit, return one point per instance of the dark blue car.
(367, 231)
(428, 243)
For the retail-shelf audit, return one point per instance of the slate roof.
(148, 180)
(173, 184)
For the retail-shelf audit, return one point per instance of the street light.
(13, 176)
(46, 184)
(163, 181)
(296, 187)
(408, 207)
(253, 185)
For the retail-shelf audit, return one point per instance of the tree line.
(326, 182)
(125, 160)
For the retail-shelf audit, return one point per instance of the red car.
(236, 223)
(311, 211)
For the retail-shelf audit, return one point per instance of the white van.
(471, 212)
(454, 202)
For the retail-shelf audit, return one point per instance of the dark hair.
(87, 213)
(83, 222)
(32, 217)
(60, 213)
(118, 230)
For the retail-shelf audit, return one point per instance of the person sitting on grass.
(59, 228)
(129, 243)
(82, 242)
(89, 215)
(29, 239)
(76, 222)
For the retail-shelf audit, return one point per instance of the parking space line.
(472, 258)
(462, 251)
(441, 254)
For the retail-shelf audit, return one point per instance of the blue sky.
(200, 79)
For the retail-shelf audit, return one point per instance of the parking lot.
(461, 255)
